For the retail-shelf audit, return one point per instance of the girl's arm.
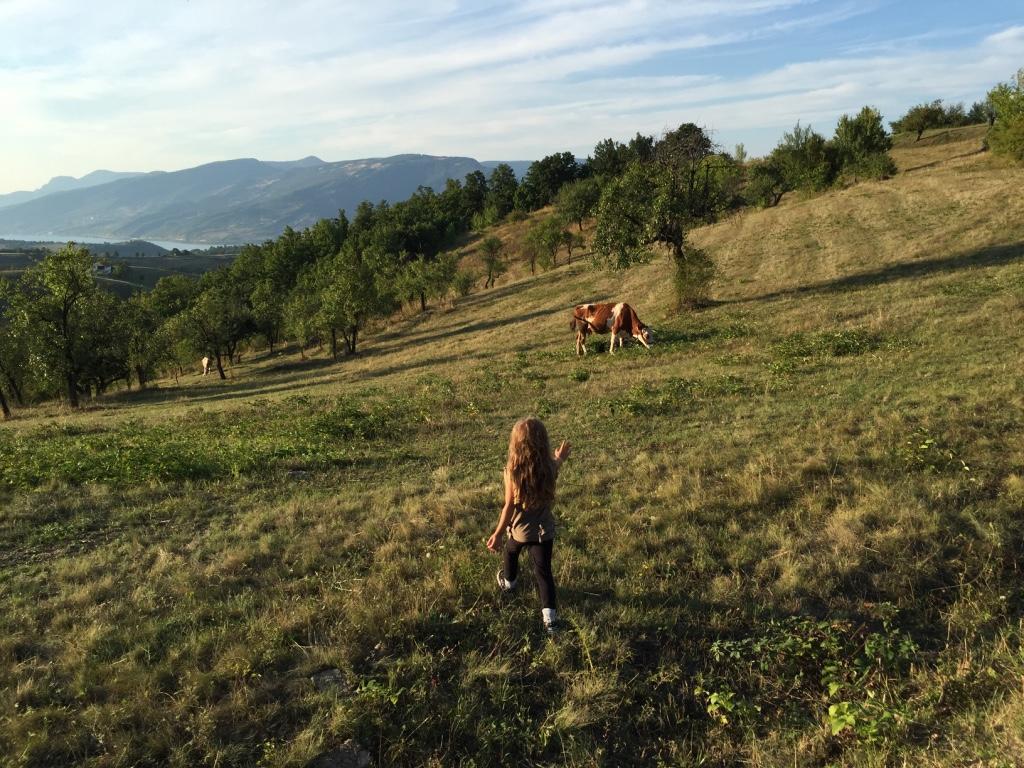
(493, 543)
(562, 453)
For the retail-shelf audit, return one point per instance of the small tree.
(577, 201)
(920, 118)
(862, 145)
(982, 112)
(765, 183)
(546, 238)
(807, 161)
(571, 240)
(490, 254)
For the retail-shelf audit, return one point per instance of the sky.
(139, 85)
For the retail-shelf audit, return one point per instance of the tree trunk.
(3, 406)
(15, 389)
(919, 135)
(72, 389)
(423, 301)
(302, 351)
(220, 365)
(350, 339)
(140, 374)
(334, 344)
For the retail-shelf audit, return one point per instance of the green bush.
(1007, 134)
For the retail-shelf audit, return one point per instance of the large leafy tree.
(657, 203)
(56, 302)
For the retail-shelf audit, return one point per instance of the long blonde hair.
(531, 468)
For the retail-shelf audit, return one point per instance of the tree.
(302, 309)
(475, 193)
(862, 145)
(218, 318)
(658, 203)
(544, 179)
(920, 118)
(577, 201)
(501, 191)
(571, 240)
(740, 154)
(1007, 134)
(55, 302)
(544, 238)
(608, 160)
(862, 135)
(347, 297)
(14, 349)
(490, 254)
(765, 183)
(806, 159)
(982, 112)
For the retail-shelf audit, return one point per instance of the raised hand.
(563, 451)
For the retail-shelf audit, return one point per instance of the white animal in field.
(206, 365)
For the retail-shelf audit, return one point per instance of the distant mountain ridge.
(63, 184)
(230, 201)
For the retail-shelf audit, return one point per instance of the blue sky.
(144, 85)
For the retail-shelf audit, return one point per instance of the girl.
(530, 476)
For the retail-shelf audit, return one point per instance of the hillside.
(234, 201)
(789, 534)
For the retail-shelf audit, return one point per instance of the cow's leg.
(611, 346)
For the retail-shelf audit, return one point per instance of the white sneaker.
(552, 624)
(504, 584)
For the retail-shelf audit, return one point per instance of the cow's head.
(646, 335)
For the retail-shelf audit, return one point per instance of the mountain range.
(231, 201)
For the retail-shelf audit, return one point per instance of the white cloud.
(143, 85)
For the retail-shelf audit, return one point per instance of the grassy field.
(791, 533)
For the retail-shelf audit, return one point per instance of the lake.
(168, 244)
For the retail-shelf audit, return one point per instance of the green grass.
(790, 533)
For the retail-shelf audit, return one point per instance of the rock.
(332, 679)
(348, 755)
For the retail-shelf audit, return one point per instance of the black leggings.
(540, 555)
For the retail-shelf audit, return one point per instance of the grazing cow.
(206, 365)
(619, 319)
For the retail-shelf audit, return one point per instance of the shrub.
(693, 276)
(1007, 134)
(463, 283)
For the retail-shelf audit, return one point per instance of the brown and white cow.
(619, 319)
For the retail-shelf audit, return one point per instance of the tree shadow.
(991, 256)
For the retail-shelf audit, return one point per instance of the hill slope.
(232, 201)
(789, 534)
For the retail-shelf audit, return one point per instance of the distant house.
(102, 269)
